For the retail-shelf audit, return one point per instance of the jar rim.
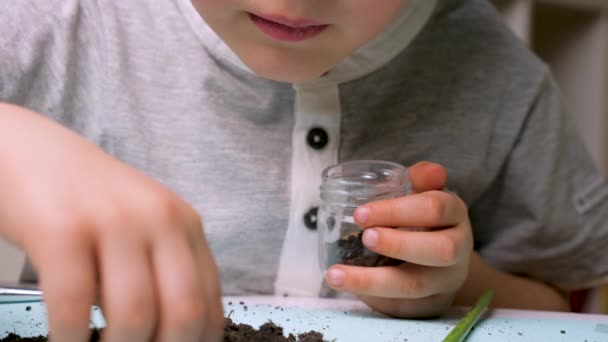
(389, 167)
(360, 181)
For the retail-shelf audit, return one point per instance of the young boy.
(168, 114)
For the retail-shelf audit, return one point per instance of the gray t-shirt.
(152, 85)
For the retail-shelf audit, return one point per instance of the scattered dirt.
(268, 332)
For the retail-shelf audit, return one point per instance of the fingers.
(440, 248)
(214, 327)
(180, 288)
(426, 176)
(67, 276)
(430, 209)
(128, 292)
(405, 281)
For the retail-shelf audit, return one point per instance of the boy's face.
(296, 40)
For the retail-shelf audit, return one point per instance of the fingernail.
(370, 238)
(362, 214)
(336, 277)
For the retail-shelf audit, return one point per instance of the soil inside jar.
(349, 250)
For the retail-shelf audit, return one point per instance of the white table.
(351, 321)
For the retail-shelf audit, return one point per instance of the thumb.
(427, 176)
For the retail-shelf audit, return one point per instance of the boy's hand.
(97, 228)
(436, 259)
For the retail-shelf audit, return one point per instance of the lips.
(287, 30)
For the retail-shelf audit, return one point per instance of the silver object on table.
(19, 293)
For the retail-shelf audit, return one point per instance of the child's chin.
(288, 76)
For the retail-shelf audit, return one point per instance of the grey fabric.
(471, 97)
(134, 78)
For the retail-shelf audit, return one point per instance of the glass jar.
(344, 187)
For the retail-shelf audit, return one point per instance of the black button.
(317, 138)
(310, 219)
(331, 223)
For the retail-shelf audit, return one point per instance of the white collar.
(369, 58)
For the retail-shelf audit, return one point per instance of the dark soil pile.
(268, 332)
(233, 332)
(16, 338)
(95, 336)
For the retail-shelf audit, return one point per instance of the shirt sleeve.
(24, 30)
(39, 40)
(546, 214)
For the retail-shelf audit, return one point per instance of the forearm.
(510, 291)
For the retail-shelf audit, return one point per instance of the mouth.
(287, 30)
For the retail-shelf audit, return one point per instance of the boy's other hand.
(97, 228)
(436, 255)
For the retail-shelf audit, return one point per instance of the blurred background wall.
(11, 261)
(572, 37)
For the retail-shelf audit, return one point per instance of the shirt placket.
(315, 143)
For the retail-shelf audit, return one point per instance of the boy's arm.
(544, 215)
(511, 291)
